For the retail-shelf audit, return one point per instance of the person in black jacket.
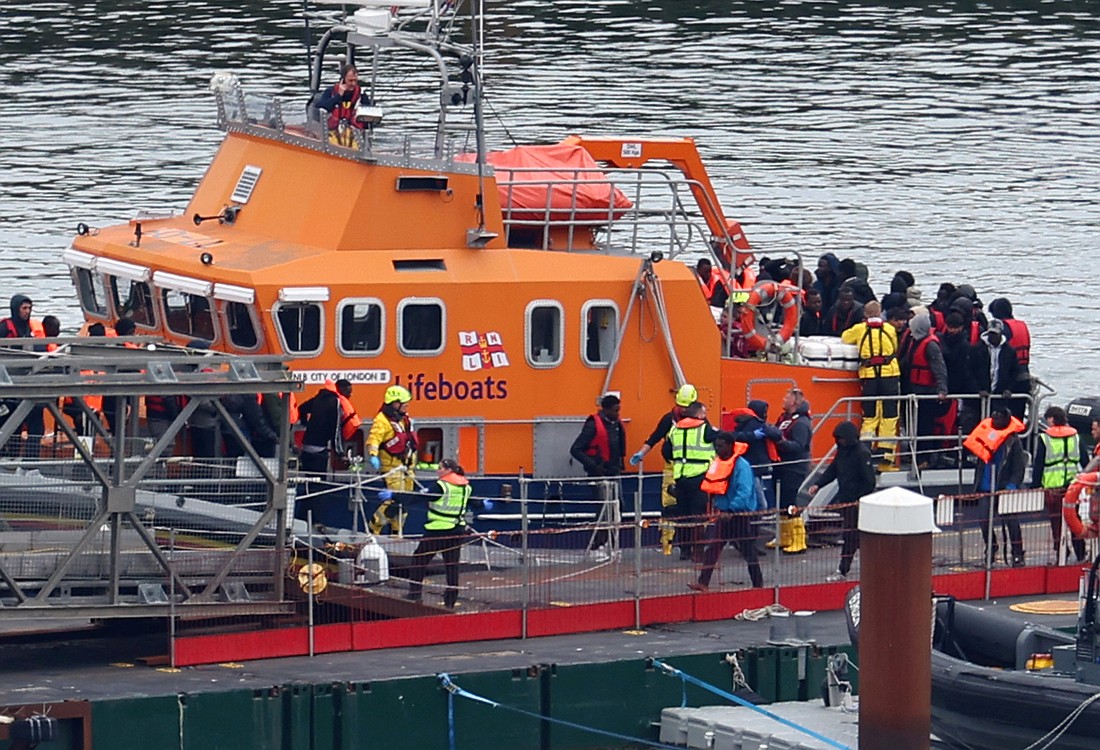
(754, 431)
(796, 433)
(854, 475)
(994, 367)
(1003, 471)
(249, 417)
(600, 448)
(321, 416)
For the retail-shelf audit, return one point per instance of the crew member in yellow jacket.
(879, 375)
(391, 450)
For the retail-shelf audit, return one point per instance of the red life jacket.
(345, 110)
(975, 333)
(984, 441)
(35, 325)
(601, 444)
(919, 371)
(1020, 338)
(349, 420)
(938, 323)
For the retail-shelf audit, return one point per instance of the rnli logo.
(481, 350)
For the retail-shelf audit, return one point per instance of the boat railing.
(637, 210)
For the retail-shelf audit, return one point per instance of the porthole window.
(421, 327)
(543, 328)
(134, 300)
(600, 319)
(188, 315)
(361, 324)
(93, 296)
(240, 322)
(300, 327)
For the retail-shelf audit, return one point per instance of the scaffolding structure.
(108, 548)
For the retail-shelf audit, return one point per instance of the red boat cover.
(580, 185)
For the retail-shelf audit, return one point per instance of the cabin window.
(241, 325)
(420, 327)
(93, 296)
(361, 325)
(134, 300)
(188, 315)
(543, 333)
(601, 327)
(300, 327)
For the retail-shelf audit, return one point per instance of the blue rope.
(453, 690)
(451, 720)
(683, 691)
(669, 669)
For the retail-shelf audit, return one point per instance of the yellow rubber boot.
(796, 533)
(889, 428)
(667, 535)
(784, 538)
(380, 519)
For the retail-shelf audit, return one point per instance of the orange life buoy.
(765, 294)
(1069, 506)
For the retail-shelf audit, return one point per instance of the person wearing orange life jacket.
(729, 483)
(340, 101)
(1000, 455)
(714, 281)
(1059, 453)
(445, 532)
(600, 448)
(21, 324)
(691, 441)
(879, 377)
(686, 395)
(391, 449)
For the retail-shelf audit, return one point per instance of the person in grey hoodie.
(924, 372)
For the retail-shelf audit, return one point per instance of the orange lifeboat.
(765, 294)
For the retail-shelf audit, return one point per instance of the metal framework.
(126, 369)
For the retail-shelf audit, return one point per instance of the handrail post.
(638, 550)
(524, 527)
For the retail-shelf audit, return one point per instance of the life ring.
(764, 294)
(1069, 506)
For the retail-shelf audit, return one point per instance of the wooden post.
(895, 649)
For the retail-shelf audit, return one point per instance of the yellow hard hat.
(397, 393)
(687, 395)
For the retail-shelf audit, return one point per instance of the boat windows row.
(421, 329)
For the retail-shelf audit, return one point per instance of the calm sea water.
(959, 140)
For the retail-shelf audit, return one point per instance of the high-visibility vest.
(446, 512)
(691, 454)
(1063, 453)
(720, 471)
(984, 440)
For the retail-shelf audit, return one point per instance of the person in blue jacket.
(729, 482)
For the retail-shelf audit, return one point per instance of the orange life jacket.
(717, 276)
(717, 479)
(350, 421)
(35, 325)
(293, 405)
(984, 440)
(1020, 338)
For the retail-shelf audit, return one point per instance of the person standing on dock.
(1000, 455)
(445, 532)
(691, 441)
(601, 448)
(729, 483)
(1059, 454)
(854, 475)
(879, 379)
(391, 450)
(686, 395)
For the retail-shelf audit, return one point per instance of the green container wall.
(412, 713)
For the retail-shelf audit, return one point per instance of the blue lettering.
(426, 387)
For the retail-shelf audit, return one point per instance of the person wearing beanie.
(879, 380)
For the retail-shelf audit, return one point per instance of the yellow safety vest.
(447, 511)
(691, 455)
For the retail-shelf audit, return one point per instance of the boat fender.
(1069, 506)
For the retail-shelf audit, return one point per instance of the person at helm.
(686, 395)
(340, 101)
(391, 450)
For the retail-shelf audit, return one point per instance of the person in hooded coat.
(854, 475)
(925, 374)
(994, 368)
(828, 279)
(1018, 336)
(754, 431)
(21, 325)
